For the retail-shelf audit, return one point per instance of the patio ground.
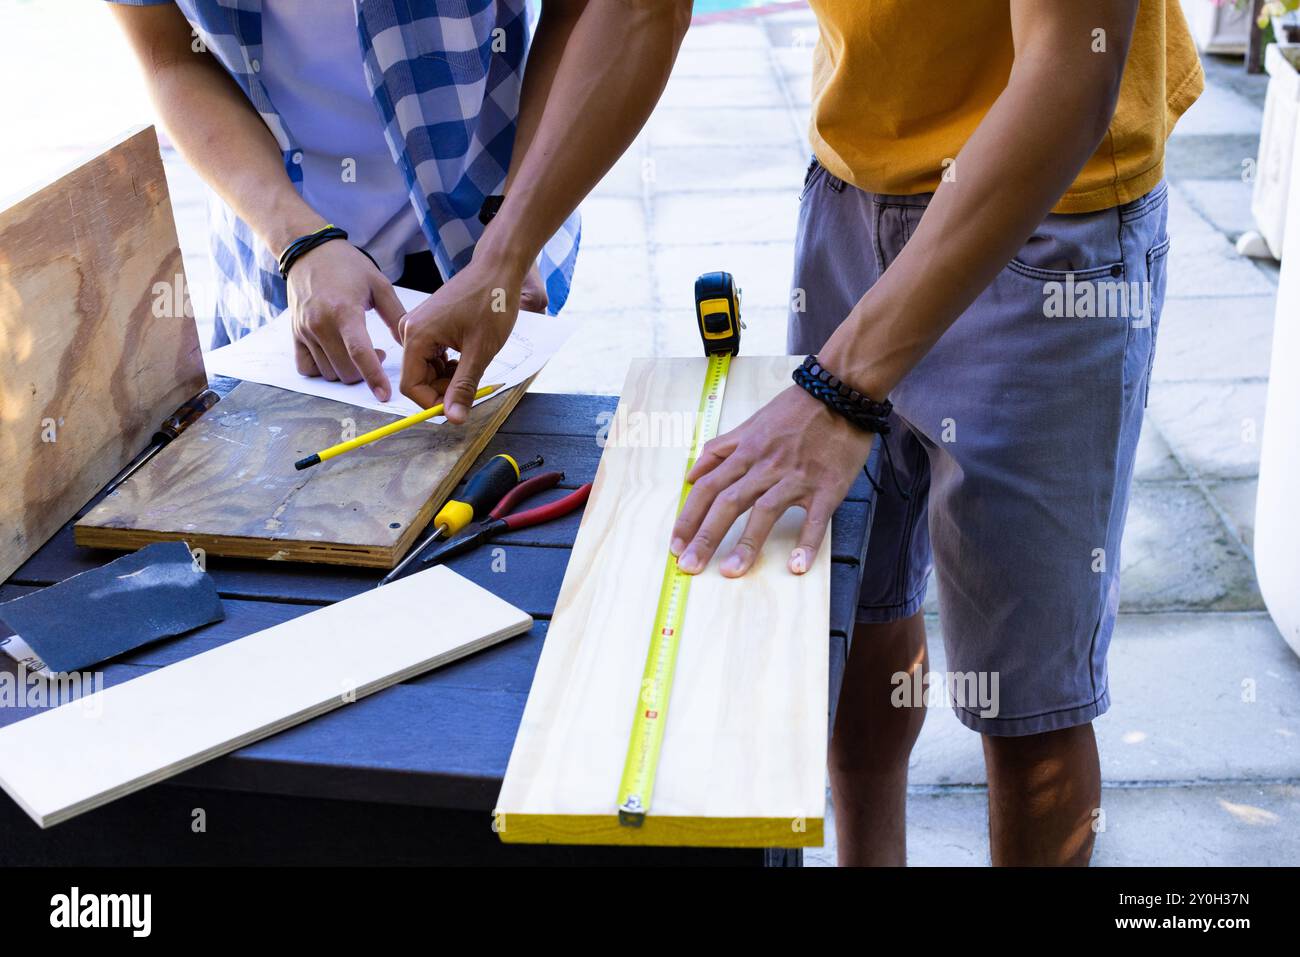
(1196, 770)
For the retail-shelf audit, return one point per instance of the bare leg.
(1043, 791)
(872, 743)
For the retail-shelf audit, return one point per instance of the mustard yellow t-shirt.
(898, 89)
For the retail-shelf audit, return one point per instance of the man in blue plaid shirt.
(403, 123)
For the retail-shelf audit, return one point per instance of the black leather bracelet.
(823, 385)
(491, 206)
(305, 244)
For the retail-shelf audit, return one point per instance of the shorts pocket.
(1078, 247)
(1039, 274)
(813, 169)
(1157, 261)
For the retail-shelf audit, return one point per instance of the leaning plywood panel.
(96, 347)
(744, 755)
(76, 757)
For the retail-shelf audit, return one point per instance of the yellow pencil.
(382, 431)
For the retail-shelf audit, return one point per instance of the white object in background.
(1253, 245)
(83, 754)
(1277, 509)
(1273, 176)
(1218, 29)
(266, 355)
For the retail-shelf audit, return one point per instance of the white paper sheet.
(267, 356)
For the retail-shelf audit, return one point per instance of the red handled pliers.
(502, 518)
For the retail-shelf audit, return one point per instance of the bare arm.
(214, 126)
(558, 18)
(615, 57)
(614, 69)
(1022, 157)
(554, 28)
(223, 138)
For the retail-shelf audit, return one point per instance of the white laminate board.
(63, 762)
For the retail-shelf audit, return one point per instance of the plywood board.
(96, 347)
(228, 484)
(744, 757)
(76, 757)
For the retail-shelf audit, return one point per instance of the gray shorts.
(1014, 439)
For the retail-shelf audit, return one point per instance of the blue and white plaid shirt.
(445, 78)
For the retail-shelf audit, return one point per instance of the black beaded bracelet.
(305, 244)
(845, 401)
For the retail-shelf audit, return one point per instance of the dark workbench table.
(407, 775)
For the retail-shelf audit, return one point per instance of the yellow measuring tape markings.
(651, 716)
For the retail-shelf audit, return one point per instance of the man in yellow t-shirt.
(981, 242)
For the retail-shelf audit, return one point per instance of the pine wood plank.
(88, 367)
(745, 746)
(228, 484)
(66, 761)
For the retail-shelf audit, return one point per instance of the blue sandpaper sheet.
(154, 593)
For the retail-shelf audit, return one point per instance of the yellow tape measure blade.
(650, 718)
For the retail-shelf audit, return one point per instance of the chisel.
(178, 422)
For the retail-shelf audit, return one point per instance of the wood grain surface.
(96, 347)
(228, 485)
(744, 755)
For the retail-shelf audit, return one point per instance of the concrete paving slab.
(1236, 499)
(763, 271)
(765, 331)
(722, 36)
(723, 217)
(794, 64)
(1197, 826)
(1177, 709)
(1220, 110)
(613, 221)
(703, 126)
(1155, 461)
(611, 278)
(802, 114)
(680, 169)
(1215, 339)
(1201, 698)
(1239, 825)
(1223, 156)
(1177, 554)
(1224, 202)
(596, 357)
(798, 90)
(726, 61)
(1202, 262)
(723, 92)
(1214, 431)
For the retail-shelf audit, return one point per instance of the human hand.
(473, 313)
(330, 289)
(793, 451)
